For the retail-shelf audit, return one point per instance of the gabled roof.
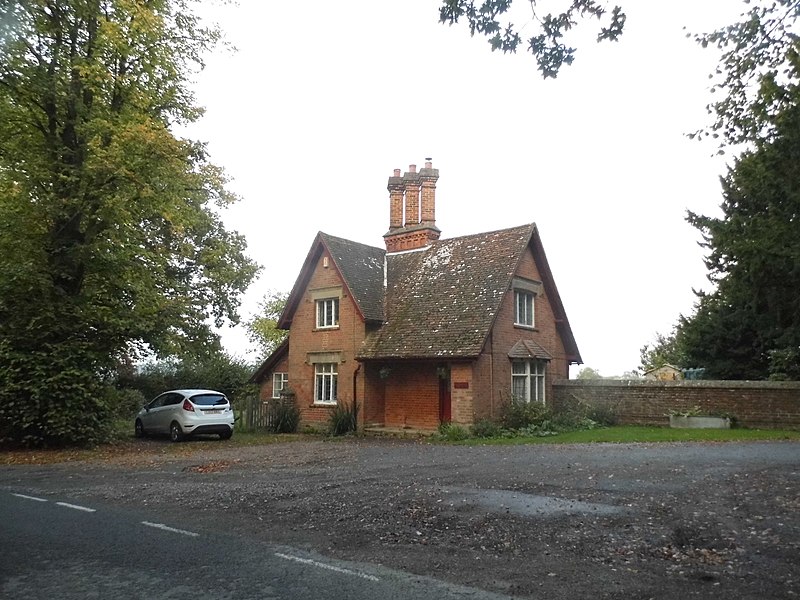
(280, 352)
(360, 267)
(442, 300)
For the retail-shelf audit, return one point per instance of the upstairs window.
(327, 313)
(524, 308)
(325, 383)
(279, 383)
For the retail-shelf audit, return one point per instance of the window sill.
(334, 328)
(526, 327)
(326, 404)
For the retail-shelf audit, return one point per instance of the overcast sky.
(324, 99)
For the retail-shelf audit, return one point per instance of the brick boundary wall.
(754, 404)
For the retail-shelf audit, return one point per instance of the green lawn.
(631, 434)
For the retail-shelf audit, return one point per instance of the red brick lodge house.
(425, 331)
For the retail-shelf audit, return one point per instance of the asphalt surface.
(57, 549)
(578, 521)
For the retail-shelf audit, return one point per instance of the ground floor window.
(326, 376)
(527, 380)
(279, 383)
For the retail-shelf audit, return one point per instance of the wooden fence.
(253, 414)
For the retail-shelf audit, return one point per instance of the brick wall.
(462, 394)
(755, 404)
(306, 338)
(412, 396)
(492, 374)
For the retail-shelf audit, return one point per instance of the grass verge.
(630, 435)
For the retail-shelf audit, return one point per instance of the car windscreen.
(209, 399)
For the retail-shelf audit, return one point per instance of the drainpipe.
(355, 380)
(491, 373)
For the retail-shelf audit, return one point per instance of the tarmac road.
(58, 549)
(661, 521)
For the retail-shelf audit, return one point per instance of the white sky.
(324, 99)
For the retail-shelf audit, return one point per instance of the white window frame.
(524, 314)
(327, 310)
(279, 383)
(531, 378)
(326, 382)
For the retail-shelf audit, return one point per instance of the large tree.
(756, 79)
(262, 328)
(546, 39)
(110, 234)
(748, 326)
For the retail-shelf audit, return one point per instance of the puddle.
(530, 505)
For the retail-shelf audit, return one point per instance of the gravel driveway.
(543, 521)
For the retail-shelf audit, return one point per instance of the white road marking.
(76, 507)
(29, 497)
(171, 529)
(315, 563)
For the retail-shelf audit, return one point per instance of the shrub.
(518, 414)
(285, 416)
(452, 432)
(125, 403)
(578, 413)
(603, 414)
(52, 397)
(486, 429)
(343, 419)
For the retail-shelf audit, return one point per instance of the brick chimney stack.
(412, 209)
(428, 177)
(395, 201)
(411, 182)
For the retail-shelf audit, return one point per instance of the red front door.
(444, 400)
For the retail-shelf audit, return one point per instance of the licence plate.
(212, 412)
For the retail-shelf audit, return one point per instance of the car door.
(165, 413)
(156, 413)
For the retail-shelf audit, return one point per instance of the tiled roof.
(361, 267)
(529, 349)
(439, 301)
(442, 300)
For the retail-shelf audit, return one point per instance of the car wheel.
(175, 432)
(138, 429)
(226, 436)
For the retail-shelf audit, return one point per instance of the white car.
(181, 413)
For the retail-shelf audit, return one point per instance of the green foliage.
(784, 364)
(486, 428)
(664, 350)
(756, 80)
(604, 415)
(262, 329)
(125, 403)
(343, 419)
(588, 373)
(216, 371)
(547, 45)
(749, 327)
(285, 415)
(452, 432)
(110, 234)
(518, 414)
(48, 398)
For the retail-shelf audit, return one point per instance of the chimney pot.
(428, 163)
(412, 168)
(397, 172)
